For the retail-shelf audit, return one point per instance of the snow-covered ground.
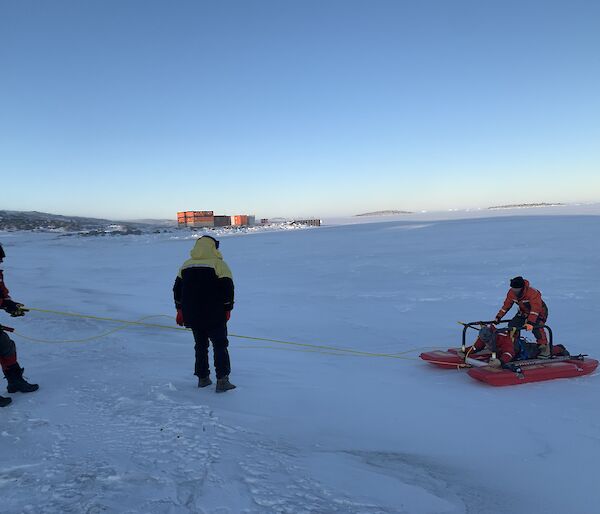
(118, 424)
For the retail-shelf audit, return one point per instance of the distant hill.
(45, 222)
(525, 205)
(384, 213)
(157, 222)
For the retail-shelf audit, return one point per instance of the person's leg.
(218, 336)
(541, 339)
(8, 357)
(540, 333)
(201, 368)
(12, 371)
(8, 351)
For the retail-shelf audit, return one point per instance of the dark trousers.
(8, 351)
(539, 333)
(218, 336)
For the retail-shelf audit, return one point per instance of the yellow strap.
(140, 322)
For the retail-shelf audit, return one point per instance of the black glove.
(13, 308)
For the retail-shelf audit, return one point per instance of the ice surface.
(119, 426)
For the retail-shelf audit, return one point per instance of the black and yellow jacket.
(204, 287)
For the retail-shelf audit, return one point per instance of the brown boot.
(204, 381)
(223, 384)
(544, 351)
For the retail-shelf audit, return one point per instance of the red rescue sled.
(513, 373)
(530, 371)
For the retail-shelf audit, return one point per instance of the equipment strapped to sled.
(533, 362)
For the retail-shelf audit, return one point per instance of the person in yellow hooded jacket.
(204, 297)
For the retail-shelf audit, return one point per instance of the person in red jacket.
(499, 341)
(8, 353)
(508, 346)
(532, 311)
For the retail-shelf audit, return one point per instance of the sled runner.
(560, 365)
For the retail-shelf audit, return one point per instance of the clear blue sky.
(131, 109)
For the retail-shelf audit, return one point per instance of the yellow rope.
(140, 322)
(84, 340)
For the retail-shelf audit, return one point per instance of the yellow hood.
(205, 249)
(206, 254)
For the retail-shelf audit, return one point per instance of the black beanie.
(517, 282)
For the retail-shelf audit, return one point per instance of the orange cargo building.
(239, 220)
(208, 219)
(196, 218)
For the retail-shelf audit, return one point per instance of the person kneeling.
(508, 346)
(498, 342)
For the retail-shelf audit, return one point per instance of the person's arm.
(506, 348)
(15, 309)
(506, 355)
(478, 345)
(226, 286)
(177, 297)
(506, 306)
(177, 292)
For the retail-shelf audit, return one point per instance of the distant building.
(310, 222)
(196, 218)
(222, 221)
(239, 220)
(208, 219)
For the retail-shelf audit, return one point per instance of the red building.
(196, 218)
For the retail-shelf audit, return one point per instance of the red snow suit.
(4, 294)
(530, 304)
(8, 353)
(502, 344)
